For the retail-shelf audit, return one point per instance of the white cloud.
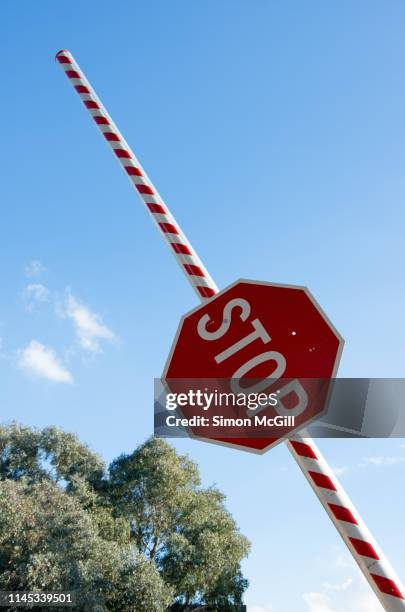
(339, 587)
(385, 461)
(354, 596)
(43, 362)
(366, 601)
(261, 609)
(35, 292)
(352, 593)
(339, 471)
(34, 269)
(318, 602)
(344, 561)
(89, 327)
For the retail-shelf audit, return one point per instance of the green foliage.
(50, 454)
(204, 552)
(150, 488)
(48, 542)
(186, 529)
(140, 536)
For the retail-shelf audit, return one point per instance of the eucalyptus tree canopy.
(141, 535)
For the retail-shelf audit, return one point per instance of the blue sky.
(275, 131)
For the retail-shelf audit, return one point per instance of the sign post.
(364, 549)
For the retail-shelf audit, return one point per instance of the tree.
(48, 542)
(141, 535)
(186, 529)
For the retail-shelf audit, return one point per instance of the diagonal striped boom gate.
(363, 547)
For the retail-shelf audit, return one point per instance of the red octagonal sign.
(256, 337)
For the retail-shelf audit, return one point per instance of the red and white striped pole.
(366, 552)
(187, 258)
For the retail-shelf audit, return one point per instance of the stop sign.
(257, 336)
